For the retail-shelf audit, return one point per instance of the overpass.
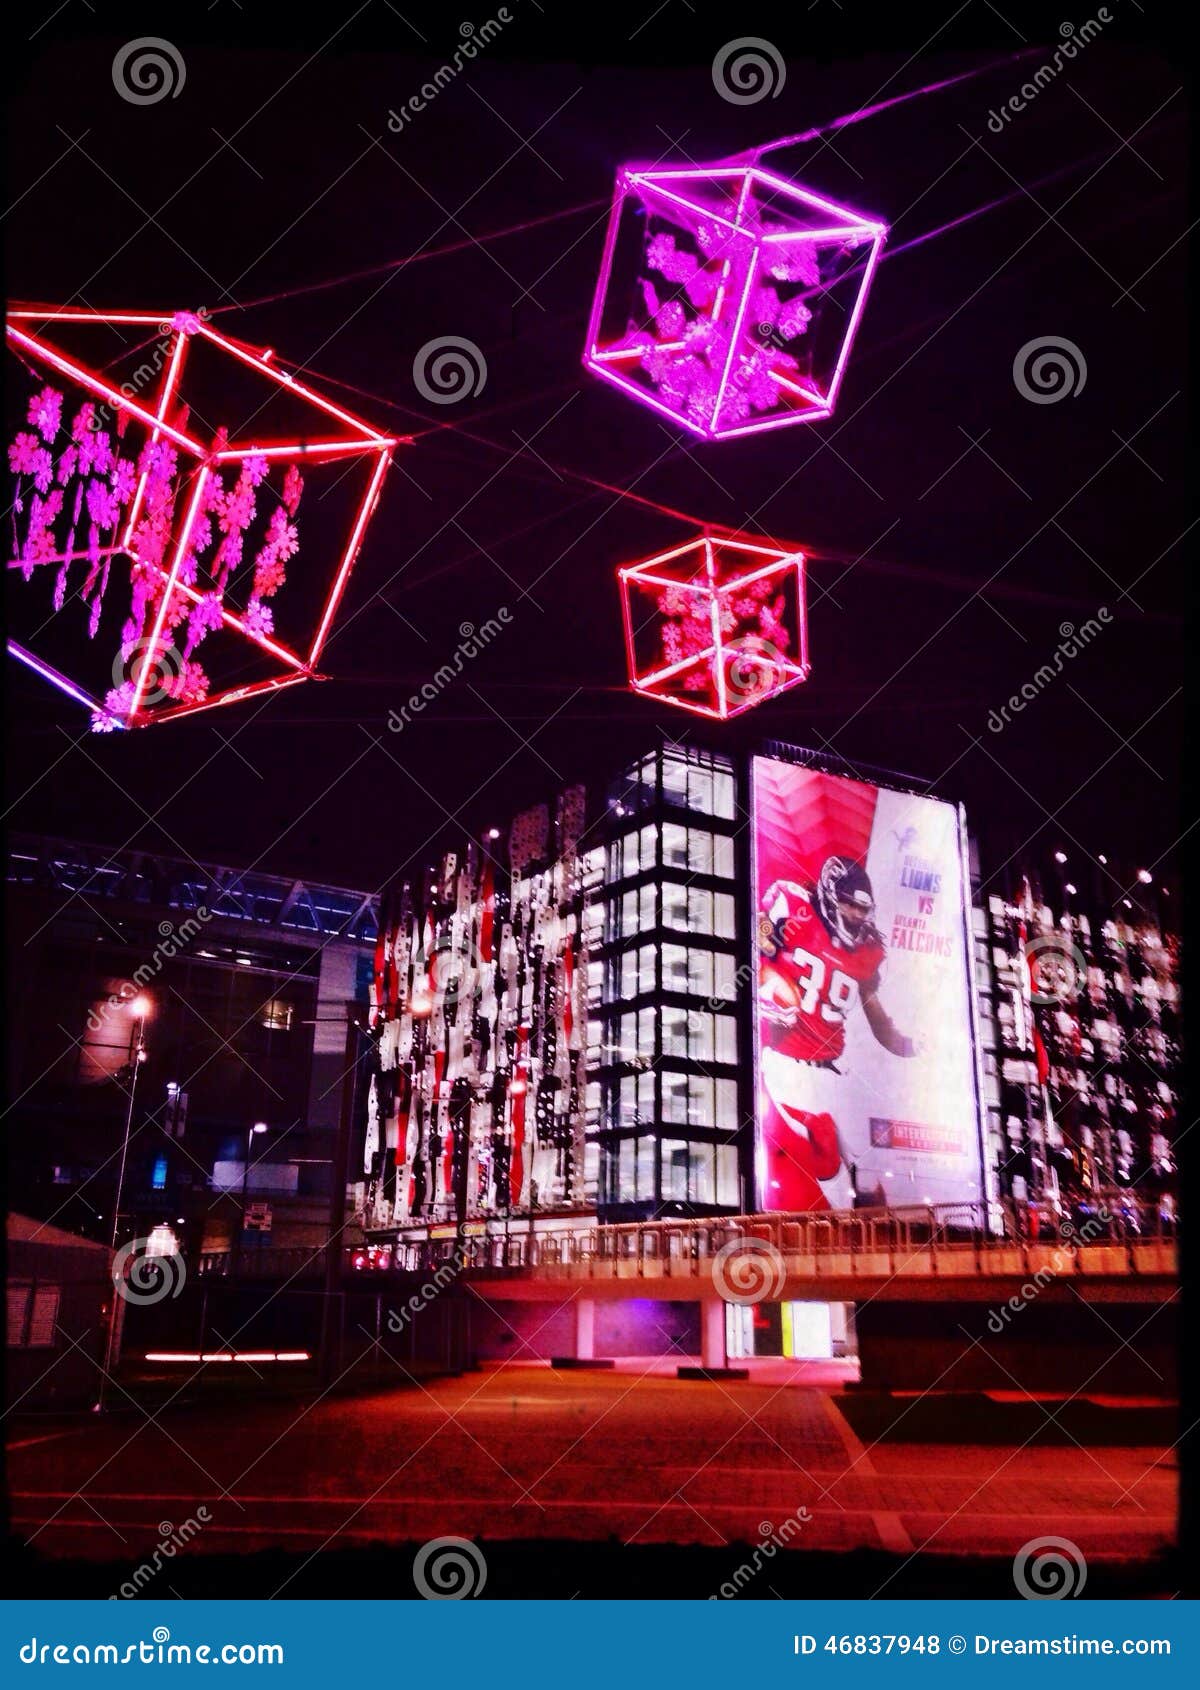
(1120, 1252)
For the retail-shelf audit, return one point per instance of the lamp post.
(258, 1127)
(140, 1009)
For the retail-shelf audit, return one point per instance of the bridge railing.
(1116, 1233)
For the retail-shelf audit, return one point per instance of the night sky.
(956, 526)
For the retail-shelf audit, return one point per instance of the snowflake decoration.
(117, 491)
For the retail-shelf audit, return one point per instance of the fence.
(1116, 1234)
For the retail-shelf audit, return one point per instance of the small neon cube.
(717, 625)
(729, 297)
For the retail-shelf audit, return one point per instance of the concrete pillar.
(714, 1352)
(585, 1338)
(712, 1334)
(585, 1329)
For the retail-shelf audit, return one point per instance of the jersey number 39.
(842, 989)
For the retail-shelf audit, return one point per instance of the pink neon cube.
(717, 625)
(729, 297)
(156, 529)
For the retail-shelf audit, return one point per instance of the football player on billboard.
(820, 955)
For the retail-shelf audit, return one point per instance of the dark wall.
(1041, 1347)
(538, 1331)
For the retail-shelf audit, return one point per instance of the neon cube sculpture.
(729, 297)
(717, 625)
(158, 514)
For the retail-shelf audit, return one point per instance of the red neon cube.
(157, 537)
(717, 625)
(729, 296)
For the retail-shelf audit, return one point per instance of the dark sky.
(957, 525)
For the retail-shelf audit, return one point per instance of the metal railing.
(1115, 1234)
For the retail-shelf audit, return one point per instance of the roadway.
(518, 1451)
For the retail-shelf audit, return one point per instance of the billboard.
(865, 1048)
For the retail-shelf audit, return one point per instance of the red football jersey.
(805, 968)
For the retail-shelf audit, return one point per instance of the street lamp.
(140, 1008)
(258, 1127)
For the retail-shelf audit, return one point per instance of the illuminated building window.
(699, 1100)
(698, 783)
(277, 1015)
(636, 972)
(632, 853)
(634, 913)
(697, 851)
(696, 910)
(705, 974)
(635, 1101)
(699, 1035)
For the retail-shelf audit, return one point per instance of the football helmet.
(843, 881)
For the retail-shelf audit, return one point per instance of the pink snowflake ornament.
(716, 625)
(170, 512)
(711, 270)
